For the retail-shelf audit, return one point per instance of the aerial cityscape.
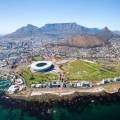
(55, 65)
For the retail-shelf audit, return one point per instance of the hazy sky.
(90, 13)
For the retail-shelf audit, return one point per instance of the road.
(64, 91)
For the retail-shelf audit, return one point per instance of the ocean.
(90, 112)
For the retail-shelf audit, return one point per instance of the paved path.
(65, 91)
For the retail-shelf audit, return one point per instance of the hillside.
(82, 41)
(106, 34)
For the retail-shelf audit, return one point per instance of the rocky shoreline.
(42, 106)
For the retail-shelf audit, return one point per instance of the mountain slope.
(117, 32)
(106, 34)
(78, 35)
(29, 29)
(84, 41)
(57, 30)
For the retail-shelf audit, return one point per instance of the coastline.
(42, 105)
(59, 93)
(41, 101)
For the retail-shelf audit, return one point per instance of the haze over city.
(59, 59)
(91, 13)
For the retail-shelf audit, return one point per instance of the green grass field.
(81, 70)
(37, 58)
(75, 70)
(34, 78)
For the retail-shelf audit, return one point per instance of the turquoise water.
(90, 112)
(8, 114)
(4, 84)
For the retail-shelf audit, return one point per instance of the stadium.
(42, 66)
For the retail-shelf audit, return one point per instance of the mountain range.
(67, 31)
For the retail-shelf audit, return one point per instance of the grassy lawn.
(34, 78)
(81, 70)
(37, 58)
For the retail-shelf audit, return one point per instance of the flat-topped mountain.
(60, 29)
(67, 28)
(79, 35)
(64, 29)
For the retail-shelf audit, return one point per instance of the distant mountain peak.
(106, 29)
(105, 34)
(30, 25)
(26, 29)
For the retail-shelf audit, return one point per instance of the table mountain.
(78, 35)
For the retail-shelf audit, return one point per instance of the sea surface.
(91, 111)
(4, 85)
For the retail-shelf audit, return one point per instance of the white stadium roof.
(46, 65)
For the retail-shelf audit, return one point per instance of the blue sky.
(90, 13)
